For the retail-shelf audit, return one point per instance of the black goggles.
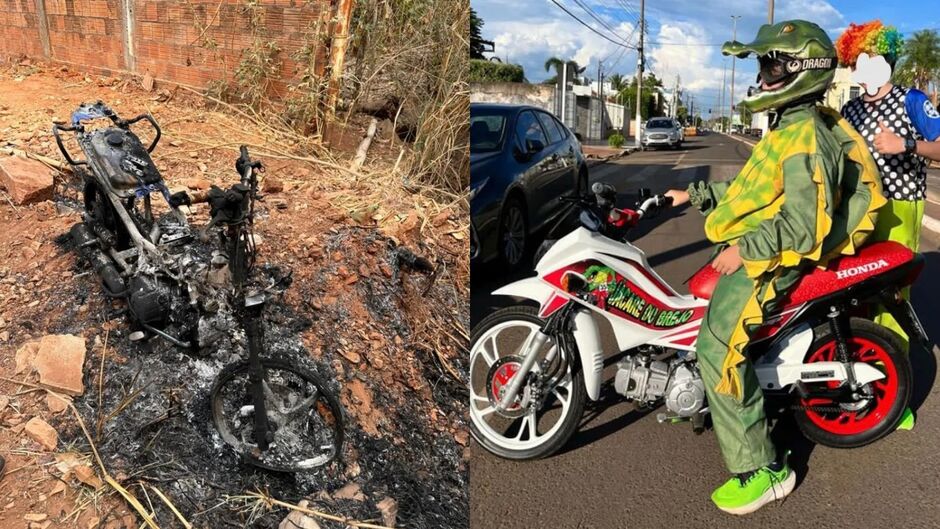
(775, 67)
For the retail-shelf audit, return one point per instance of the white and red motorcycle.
(531, 369)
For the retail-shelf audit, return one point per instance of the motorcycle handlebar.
(656, 201)
(56, 127)
(124, 123)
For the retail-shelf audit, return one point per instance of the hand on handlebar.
(678, 196)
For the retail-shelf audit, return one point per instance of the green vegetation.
(919, 65)
(615, 140)
(476, 34)
(482, 71)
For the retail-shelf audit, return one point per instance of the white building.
(842, 90)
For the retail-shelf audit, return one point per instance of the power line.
(583, 23)
(593, 15)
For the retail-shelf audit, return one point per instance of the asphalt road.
(624, 470)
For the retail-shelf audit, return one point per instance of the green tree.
(650, 104)
(476, 35)
(495, 72)
(554, 63)
(920, 61)
(745, 115)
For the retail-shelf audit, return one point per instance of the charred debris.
(166, 329)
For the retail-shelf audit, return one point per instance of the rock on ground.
(39, 430)
(27, 181)
(298, 520)
(59, 362)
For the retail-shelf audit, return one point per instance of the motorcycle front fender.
(585, 328)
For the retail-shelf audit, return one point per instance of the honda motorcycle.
(192, 287)
(846, 379)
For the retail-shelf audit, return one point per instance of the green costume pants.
(899, 221)
(741, 427)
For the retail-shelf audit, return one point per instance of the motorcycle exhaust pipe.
(87, 245)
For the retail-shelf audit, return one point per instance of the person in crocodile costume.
(809, 192)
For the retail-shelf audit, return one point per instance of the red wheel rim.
(501, 377)
(885, 390)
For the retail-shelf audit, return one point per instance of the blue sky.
(529, 31)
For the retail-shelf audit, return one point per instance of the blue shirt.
(924, 116)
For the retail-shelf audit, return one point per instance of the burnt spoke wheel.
(847, 422)
(306, 419)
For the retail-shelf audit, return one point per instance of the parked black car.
(521, 160)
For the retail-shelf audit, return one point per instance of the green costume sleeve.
(704, 196)
(794, 227)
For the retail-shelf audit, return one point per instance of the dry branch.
(364, 146)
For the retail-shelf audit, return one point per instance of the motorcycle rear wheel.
(515, 434)
(840, 426)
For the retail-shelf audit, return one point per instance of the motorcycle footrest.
(671, 419)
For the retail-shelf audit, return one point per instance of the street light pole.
(721, 106)
(770, 12)
(564, 88)
(734, 37)
(639, 71)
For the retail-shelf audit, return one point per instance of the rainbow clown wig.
(873, 38)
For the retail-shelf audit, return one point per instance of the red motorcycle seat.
(871, 260)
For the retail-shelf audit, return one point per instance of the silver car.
(661, 132)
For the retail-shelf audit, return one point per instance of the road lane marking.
(931, 224)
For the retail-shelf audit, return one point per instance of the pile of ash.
(405, 415)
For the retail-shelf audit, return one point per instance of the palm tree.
(920, 62)
(617, 82)
(557, 64)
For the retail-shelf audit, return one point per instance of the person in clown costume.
(809, 192)
(901, 127)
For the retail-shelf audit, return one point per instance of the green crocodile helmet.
(797, 62)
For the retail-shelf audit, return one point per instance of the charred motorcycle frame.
(190, 287)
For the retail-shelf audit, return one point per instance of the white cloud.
(530, 43)
(531, 31)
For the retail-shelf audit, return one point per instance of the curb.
(591, 162)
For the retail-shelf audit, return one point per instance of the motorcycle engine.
(149, 299)
(647, 380)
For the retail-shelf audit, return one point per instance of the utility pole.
(721, 105)
(675, 99)
(770, 12)
(564, 88)
(639, 70)
(734, 37)
(600, 90)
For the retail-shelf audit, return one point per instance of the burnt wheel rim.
(513, 235)
(884, 391)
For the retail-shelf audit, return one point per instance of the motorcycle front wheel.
(542, 419)
(305, 416)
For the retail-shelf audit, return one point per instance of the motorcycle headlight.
(476, 190)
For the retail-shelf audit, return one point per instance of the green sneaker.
(745, 493)
(907, 420)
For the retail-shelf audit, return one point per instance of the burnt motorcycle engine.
(150, 300)
(646, 379)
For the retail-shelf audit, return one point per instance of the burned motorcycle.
(191, 287)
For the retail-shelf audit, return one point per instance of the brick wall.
(19, 32)
(190, 42)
